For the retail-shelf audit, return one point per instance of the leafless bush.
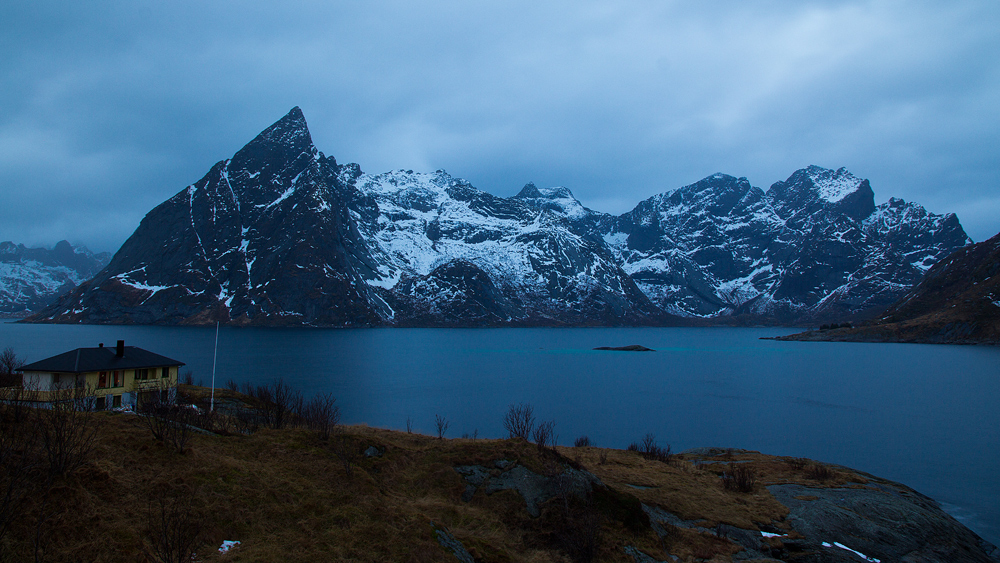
(519, 420)
(581, 442)
(739, 477)
(544, 434)
(9, 363)
(650, 450)
(276, 401)
(347, 451)
(167, 422)
(321, 414)
(172, 529)
(19, 442)
(66, 431)
(409, 425)
(245, 420)
(441, 424)
(602, 457)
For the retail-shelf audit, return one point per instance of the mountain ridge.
(281, 234)
(31, 278)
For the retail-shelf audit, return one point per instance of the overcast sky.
(108, 108)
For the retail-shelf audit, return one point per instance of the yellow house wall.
(129, 383)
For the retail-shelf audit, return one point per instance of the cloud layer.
(112, 107)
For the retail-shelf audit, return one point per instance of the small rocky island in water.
(629, 348)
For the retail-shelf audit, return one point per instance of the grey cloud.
(113, 107)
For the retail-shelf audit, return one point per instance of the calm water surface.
(923, 415)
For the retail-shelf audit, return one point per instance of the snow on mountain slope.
(812, 246)
(540, 268)
(31, 278)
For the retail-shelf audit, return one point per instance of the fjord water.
(925, 415)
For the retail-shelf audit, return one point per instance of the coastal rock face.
(958, 301)
(282, 235)
(885, 521)
(31, 278)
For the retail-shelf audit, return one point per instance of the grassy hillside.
(291, 495)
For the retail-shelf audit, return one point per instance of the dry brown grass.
(286, 496)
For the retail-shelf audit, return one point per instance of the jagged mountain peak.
(531, 191)
(815, 189)
(833, 185)
(557, 199)
(277, 147)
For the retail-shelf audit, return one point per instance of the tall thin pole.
(215, 356)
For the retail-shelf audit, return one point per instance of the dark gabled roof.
(100, 359)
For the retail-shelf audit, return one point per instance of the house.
(114, 377)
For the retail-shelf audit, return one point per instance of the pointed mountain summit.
(816, 194)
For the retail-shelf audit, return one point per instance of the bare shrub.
(650, 450)
(172, 528)
(167, 422)
(519, 420)
(544, 434)
(581, 442)
(346, 451)
(739, 477)
(276, 401)
(66, 432)
(321, 414)
(409, 425)
(602, 457)
(9, 363)
(441, 424)
(19, 460)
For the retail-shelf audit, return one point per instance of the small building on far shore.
(123, 376)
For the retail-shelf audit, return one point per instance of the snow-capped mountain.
(281, 234)
(31, 278)
(813, 246)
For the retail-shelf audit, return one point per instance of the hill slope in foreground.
(957, 302)
(368, 494)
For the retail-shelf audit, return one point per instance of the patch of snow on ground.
(770, 535)
(858, 553)
(227, 545)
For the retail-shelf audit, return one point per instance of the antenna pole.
(215, 356)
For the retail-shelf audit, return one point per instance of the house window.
(102, 379)
(102, 403)
(118, 379)
(116, 401)
(142, 374)
(165, 373)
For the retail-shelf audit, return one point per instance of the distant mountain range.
(31, 278)
(281, 234)
(957, 302)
